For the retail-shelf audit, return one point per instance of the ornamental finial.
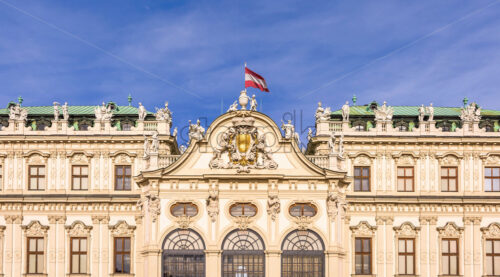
(20, 100)
(129, 98)
(465, 101)
(354, 99)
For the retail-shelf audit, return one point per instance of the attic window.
(83, 127)
(303, 209)
(243, 209)
(184, 209)
(126, 126)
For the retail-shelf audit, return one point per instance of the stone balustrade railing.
(101, 127)
(321, 161)
(385, 128)
(166, 160)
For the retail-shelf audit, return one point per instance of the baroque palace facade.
(379, 191)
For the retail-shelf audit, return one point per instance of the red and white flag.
(254, 80)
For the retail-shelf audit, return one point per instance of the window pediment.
(450, 230)
(407, 229)
(78, 229)
(492, 231)
(35, 229)
(363, 229)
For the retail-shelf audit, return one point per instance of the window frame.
(243, 204)
(450, 255)
(448, 178)
(37, 177)
(406, 254)
(491, 178)
(362, 254)
(123, 176)
(362, 177)
(184, 204)
(36, 253)
(412, 178)
(80, 176)
(78, 253)
(493, 254)
(302, 209)
(123, 253)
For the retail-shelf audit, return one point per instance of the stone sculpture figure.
(233, 107)
(164, 114)
(331, 143)
(288, 128)
(196, 131)
(213, 204)
(336, 203)
(56, 111)
(273, 206)
(17, 113)
(65, 111)
(421, 113)
(151, 204)
(102, 112)
(297, 138)
(309, 134)
(471, 112)
(341, 145)
(430, 111)
(141, 111)
(155, 143)
(345, 111)
(253, 103)
(174, 134)
(384, 113)
(146, 147)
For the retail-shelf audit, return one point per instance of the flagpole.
(244, 76)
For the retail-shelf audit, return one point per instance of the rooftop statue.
(331, 143)
(384, 113)
(253, 103)
(102, 112)
(174, 134)
(471, 112)
(430, 111)
(309, 134)
(196, 131)
(17, 113)
(421, 113)
(288, 128)
(233, 107)
(142, 111)
(345, 111)
(164, 114)
(56, 111)
(65, 111)
(321, 113)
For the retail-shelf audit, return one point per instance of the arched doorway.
(183, 254)
(243, 254)
(303, 254)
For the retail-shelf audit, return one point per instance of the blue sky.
(191, 53)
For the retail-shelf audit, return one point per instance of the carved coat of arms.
(242, 147)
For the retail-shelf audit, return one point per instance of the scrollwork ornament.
(242, 222)
(121, 228)
(363, 229)
(303, 222)
(492, 231)
(35, 228)
(183, 221)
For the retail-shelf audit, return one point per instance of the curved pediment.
(244, 143)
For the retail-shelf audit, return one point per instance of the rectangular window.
(363, 255)
(449, 256)
(122, 255)
(80, 177)
(493, 257)
(449, 179)
(78, 255)
(123, 177)
(405, 178)
(35, 255)
(406, 257)
(492, 178)
(361, 178)
(36, 177)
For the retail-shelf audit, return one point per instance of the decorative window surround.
(35, 229)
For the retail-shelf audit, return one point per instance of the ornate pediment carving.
(183, 221)
(363, 229)
(450, 230)
(492, 160)
(79, 159)
(302, 222)
(406, 229)
(492, 231)
(35, 229)
(78, 229)
(121, 228)
(242, 222)
(362, 160)
(242, 147)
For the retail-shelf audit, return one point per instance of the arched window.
(303, 254)
(303, 209)
(243, 254)
(243, 209)
(184, 209)
(183, 254)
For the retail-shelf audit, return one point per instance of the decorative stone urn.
(243, 99)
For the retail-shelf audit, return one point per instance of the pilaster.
(273, 262)
(213, 263)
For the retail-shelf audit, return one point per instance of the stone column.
(273, 262)
(380, 253)
(477, 244)
(468, 245)
(17, 245)
(389, 244)
(95, 246)
(424, 246)
(213, 263)
(106, 247)
(51, 246)
(61, 246)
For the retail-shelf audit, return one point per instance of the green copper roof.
(413, 111)
(75, 110)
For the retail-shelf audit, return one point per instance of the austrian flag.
(254, 80)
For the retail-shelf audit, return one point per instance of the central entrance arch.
(243, 254)
(183, 254)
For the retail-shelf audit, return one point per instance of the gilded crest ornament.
(242, 147)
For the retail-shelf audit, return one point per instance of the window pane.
(237, 210)
(489, 246)
(41, 170)
(409, 265)
(366, 264)
(76, 183)
(496, 184)
(41, 183)
(357, 184)
(401, 184)
(127, 183)
(453, 246)
(409, 171)
(33, 170)
(76, 170)
(191, 210)
(496, 172)
(444, 185)
(453, 266)
(119, 170)
(453, 184)
(39, 264)
(497, 265)
(401, 246)
(32, 263)
(118, 244)
(309, 210)
(84, 184)
(83, 263)
(40, 245)
(118, 263)
(295, 210)
(366, 172)
(358, 245)
(85, 170)
(126, 264)
(489, 265)
(357, 171)
(178, 210)
(409, 246)
(444, 263)
(83, 245)
(128, 170)
(250, 210)
(127, 245)
(366, 245)
(496, 246)
(74, 264)
(366, 185)
(358, 264)
(488, 185)
(444, 172)
(401, 171)
(32, 244)
(401, 264)
(453, 172)
(76, 245)
(444, 246)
